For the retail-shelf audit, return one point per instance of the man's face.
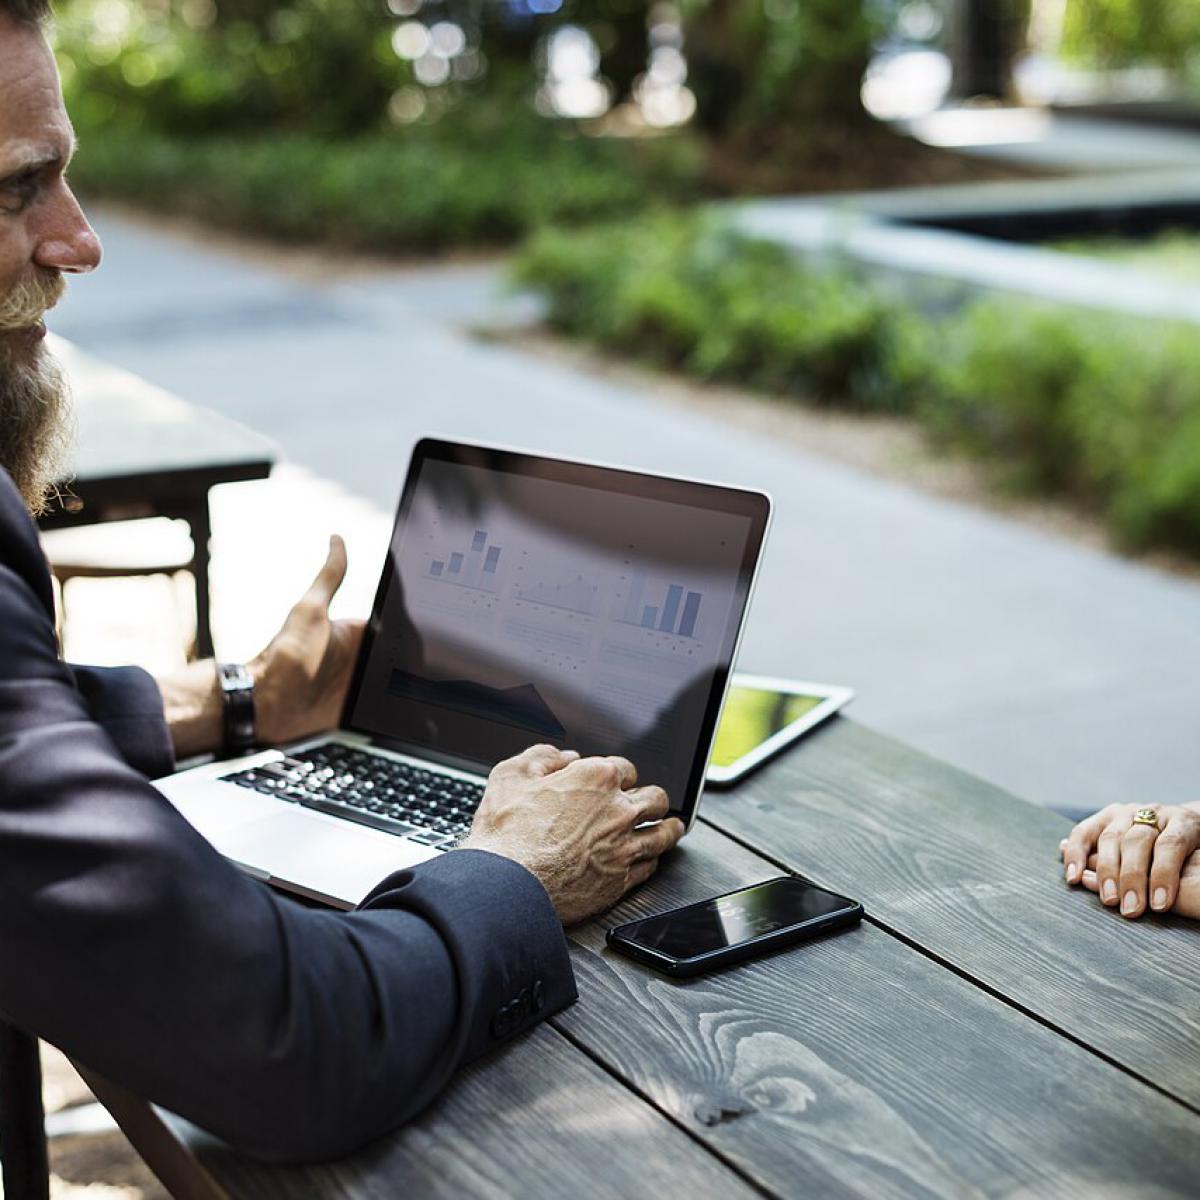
(43, 235)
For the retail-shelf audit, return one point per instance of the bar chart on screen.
(668, 608)
(475, 566)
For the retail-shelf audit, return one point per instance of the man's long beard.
(36, 429)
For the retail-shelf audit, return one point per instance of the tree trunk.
(987, 36)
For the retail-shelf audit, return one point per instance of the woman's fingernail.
(1109, 891)
(1160, 898)
(1130, 903)
(1072, 872)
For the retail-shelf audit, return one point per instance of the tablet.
(763, 715)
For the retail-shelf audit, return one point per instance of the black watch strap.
(237, 692)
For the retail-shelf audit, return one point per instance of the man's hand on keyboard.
(574, 823)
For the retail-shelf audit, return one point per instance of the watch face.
(235, 677)
(237, 694)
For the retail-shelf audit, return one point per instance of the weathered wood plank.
(971, 874)
(856, 1066)
(539, 1119)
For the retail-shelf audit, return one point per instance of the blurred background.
(926, 270)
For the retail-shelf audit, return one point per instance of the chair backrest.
(23, 1159)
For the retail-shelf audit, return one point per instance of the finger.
(1108, 859)
(657, 839)
(315, 602)
(349, 632)
(1171, 849)
(626, 771)
(1137, 847)
(1089, 881)
(640, 872)
(1187, 903)
(650, 803)
(1081, 841)
(541, 760)
(1062, 847)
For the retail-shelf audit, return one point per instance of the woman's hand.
(1187, 902)
(1134, 864)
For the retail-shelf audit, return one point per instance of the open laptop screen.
(534, 600)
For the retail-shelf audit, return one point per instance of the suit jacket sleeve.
(127, 703)
(292, 1033)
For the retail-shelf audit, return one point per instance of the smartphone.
(735, 927)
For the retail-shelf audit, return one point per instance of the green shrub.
(1097, 406)
(999, 381)
(1102, 407)
(686, 290)
(421, 189)
(1136, 413)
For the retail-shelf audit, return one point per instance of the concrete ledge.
(930, 233)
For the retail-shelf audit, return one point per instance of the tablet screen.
(751, 716)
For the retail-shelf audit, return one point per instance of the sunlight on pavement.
(61, 1190)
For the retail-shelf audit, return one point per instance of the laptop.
(524, 599)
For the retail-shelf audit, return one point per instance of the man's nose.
(65, 241)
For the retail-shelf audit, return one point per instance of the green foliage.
(998, 384)
(684, 290)
(1124, 32)
(323, 66)
(759, 64)
(479, 183)
(330, 67)
(1100, 407)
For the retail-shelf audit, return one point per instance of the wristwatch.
(237, 693)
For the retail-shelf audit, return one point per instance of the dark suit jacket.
(291, 1032)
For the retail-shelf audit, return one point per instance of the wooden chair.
(127, 549)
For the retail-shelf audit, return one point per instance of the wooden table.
(145, 453)
(985, 1032)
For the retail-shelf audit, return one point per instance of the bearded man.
(291, 1032)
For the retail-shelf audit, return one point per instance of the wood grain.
(972, 875)
(538, 1119)
(855, 1066)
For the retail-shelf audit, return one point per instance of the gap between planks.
(967, 977)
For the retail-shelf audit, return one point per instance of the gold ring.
(1146, 816)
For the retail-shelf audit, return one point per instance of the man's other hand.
(574, 823)
(300, 679)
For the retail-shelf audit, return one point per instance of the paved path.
(1066, 675)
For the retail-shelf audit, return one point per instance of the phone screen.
(738, 917)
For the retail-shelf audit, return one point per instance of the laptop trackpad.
(323, 855)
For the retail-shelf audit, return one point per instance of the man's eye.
(18, 193)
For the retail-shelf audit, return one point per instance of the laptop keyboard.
(397, 797)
